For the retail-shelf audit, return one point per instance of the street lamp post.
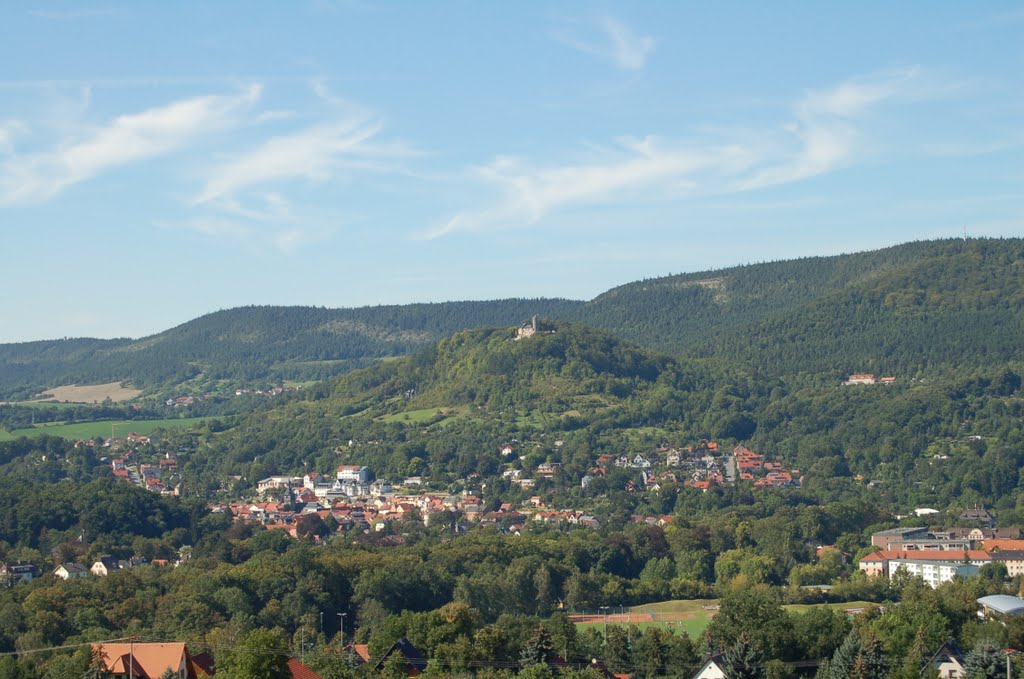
(321, 622)
(341, 628)
(604, 609)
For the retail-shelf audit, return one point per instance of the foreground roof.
(152, 659)
(1003, 603)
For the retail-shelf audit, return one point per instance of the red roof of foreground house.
(299, 671)
(147, 660)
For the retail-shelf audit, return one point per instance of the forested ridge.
(914, 309)
(246, 344)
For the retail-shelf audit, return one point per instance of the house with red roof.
(145, 660)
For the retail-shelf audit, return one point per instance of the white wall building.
(933, 572)
(354, 473)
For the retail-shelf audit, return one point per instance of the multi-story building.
(933, 572)
(354, 473)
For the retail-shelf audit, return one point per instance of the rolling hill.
(918, 308)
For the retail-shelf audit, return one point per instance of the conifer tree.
(985, 661)
(872, 658)
(539, 649)
(744, 661)
(845, 656)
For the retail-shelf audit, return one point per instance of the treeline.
(22, 417)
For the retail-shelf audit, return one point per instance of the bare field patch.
(91, 393)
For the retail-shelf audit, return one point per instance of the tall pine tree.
(744, 661)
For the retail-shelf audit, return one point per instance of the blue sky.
(159, 161)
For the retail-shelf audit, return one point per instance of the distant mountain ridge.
(929, 305)
(918, 306)
(246, 344)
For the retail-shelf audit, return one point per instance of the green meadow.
(115, 428)
(691, 616)
(426, 415)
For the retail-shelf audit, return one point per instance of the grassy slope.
(691, 616)
(89, 430)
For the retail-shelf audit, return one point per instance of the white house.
(381, 487)
(354, 473)
(275, 482)
(948, 661)
(70, 571)
(105, 566)
(712, 669)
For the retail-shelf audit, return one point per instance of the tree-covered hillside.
(256, 343)
(922, 308)
(445, 412)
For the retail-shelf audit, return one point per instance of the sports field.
(691, 616)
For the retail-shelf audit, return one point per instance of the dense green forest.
(914, 309)
(251, 344)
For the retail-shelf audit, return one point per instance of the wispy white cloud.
(127, 139)
(312, 154)
(9, 129)
(251, 187)
(824, 135)
(857, 95)
(821, 136)
(618, 43)
(630, 51)
(633, 168)
(282, 235)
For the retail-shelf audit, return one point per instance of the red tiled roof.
(928, 555)
(299, 671)
(153, 660)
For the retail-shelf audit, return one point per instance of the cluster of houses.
(355, 503)
(350, 481)
(940, 556)
(154, 477)
(374, 513)
(149, 476)
(186, 401)
(15, 572)
(699, 466)
(269, 393)
(132, 439)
